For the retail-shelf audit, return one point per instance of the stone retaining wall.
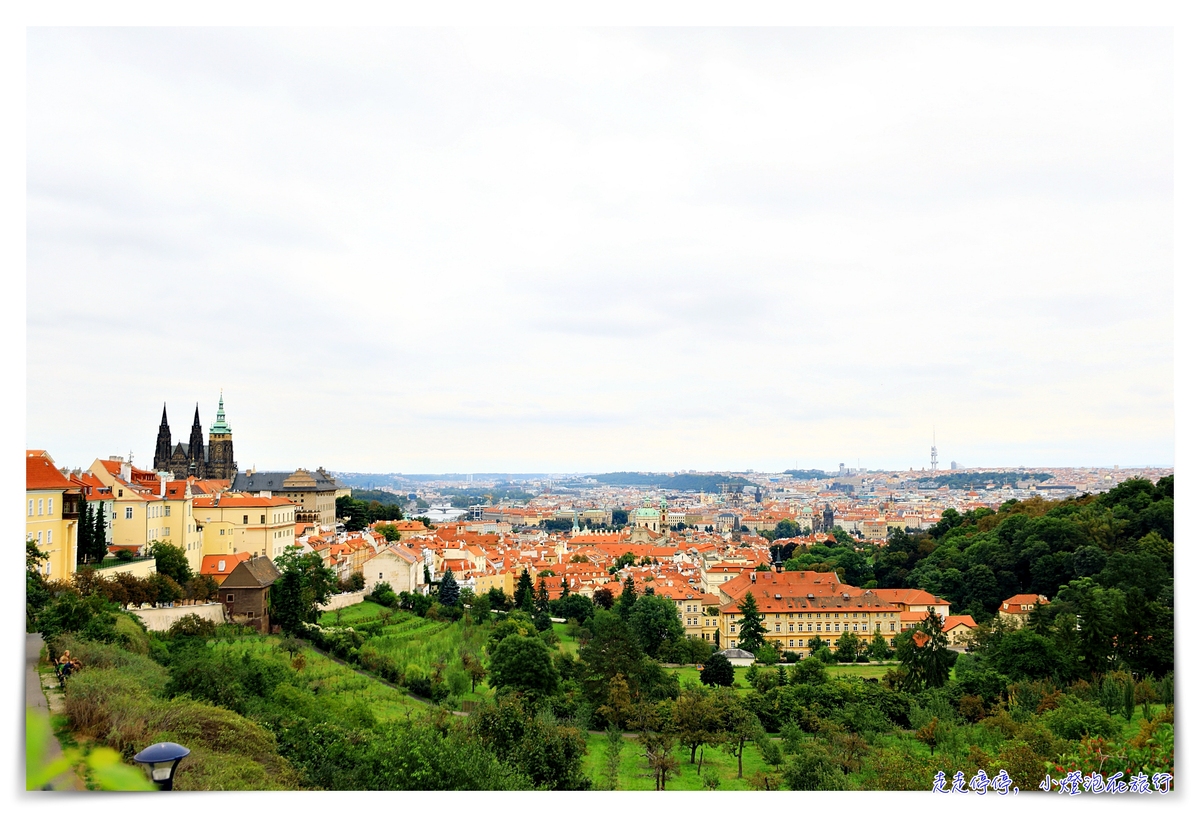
(343, 600)
(161, 618)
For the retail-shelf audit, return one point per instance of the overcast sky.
(578, 250)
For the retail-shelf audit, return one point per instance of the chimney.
(126, 471)
(162, 483)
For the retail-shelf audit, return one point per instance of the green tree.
(751, 629)
(786, 529)
(83, 544)
(628, 598)
(171, 561)
(100, 534)
(304, 583)
(847, 647)
(389, 532)
(924, 654)
(695, 721)
(739, 724)
(523, 664)
(654, 621)
(878, 650)
(448, 590)
(717, 671)
(614, 742)
(523, 598)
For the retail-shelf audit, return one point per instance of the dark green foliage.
(1025, 655)
(689, 650)
(750, 628)
(305, 583)
(549, 754)
(655, 622)
(523, 596)
(171, 561)
(448, 590)
(926, 666)
(192, 626)
(624, 605)
(574, 606)
(717, 671)
(523, 664)
(383, 595)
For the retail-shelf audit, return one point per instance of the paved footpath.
(35, 699)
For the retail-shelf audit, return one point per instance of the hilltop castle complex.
(196, 459)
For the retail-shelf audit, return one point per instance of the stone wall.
(142, 569)
(343, 600)
(161, 618)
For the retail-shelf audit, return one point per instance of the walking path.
(35, 699)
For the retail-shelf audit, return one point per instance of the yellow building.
(694, 610)
(486, 581)
(792, 620)
(258, 525)
(52, 505)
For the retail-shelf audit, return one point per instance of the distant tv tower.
(933, 452)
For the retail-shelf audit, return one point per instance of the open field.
(635, 776)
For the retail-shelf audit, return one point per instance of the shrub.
(1073, 719)
(811, 769)
(192, 626)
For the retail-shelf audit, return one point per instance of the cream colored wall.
(57, 536)
(129, 531)
(886, 623)
(388, 567)
(226, 532)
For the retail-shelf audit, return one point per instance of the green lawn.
(635, 776)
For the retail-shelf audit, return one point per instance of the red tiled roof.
(41, 475)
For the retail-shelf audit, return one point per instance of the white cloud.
(466, 249)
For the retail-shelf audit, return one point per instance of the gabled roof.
(252, 574)
(41, 475)
(221, 565)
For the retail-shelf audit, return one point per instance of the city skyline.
(595, 250)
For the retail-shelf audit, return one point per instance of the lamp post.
(162, 758)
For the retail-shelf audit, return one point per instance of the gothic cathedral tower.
(196, 459)
(220, 447)
(162, 447)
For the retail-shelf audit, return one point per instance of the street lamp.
(162, 758)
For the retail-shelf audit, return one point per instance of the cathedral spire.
(220, 426)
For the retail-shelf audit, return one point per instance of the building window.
(167, 511)
(50, 506)
(39, 533)
(129, 512)
(166, 531)
(49, 536)
(41, 506)
(245, 519)
(262, 519)
(228, 597)
(31, 507)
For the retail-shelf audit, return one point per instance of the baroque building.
(196, 459)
